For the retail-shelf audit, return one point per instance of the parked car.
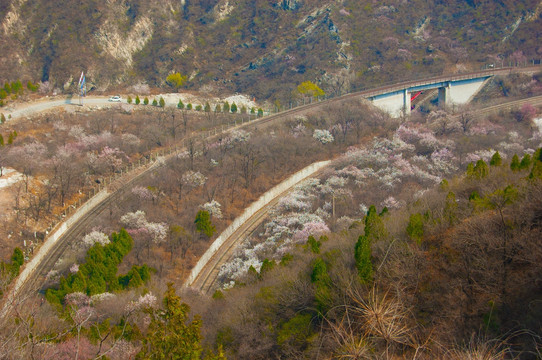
(115, 98)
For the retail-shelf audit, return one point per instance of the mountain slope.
(262, 47)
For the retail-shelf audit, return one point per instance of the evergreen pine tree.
(496, 159)
(362, 254)
(525, 162)
(203, 223)
(514, 164)
(171, 334)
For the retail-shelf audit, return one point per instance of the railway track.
(535, 101)
(207, 280)
(31, 283)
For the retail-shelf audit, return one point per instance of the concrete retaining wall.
(250, 211)
(51, 241)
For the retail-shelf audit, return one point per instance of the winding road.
(47, 256)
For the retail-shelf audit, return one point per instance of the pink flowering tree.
(111, 158)
(527, 112)
(137, 225)
(314, 228)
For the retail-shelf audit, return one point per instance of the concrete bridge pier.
(406, 102)
(451, 91)
(444, 95)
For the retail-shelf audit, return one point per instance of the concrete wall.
(458, 92)
(249, 212)
(461, 92)
(50, 241)
(391, 103)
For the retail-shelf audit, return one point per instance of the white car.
(115, 98)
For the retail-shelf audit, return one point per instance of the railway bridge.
(451, 90)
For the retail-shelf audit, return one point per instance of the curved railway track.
(207, 280)
(53, 254)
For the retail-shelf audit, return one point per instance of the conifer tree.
(203, 223)
(362, 254)
(525, 162)
(496, 159)
(171, 334)
(322, 282)
(514, 164)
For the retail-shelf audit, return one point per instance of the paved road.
(24, 110)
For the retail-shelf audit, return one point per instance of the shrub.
(415, 227)
(176, 80)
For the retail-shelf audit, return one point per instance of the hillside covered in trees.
(421, 239)
(454, 275)
(264, 48)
